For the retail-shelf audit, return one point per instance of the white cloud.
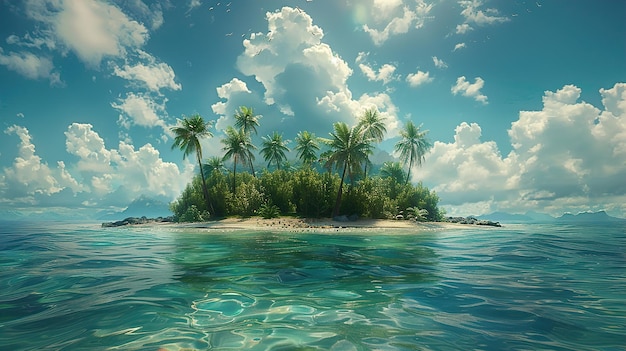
(142, 110)
(151, 75)
(474, 14)
(91, 29)
(231, 93)
(459, 46)
(291, 39)
(386, 18)
(570, 156)
(463, 28)
(193, 4)
(439, 63)
(134, 171)
(150, 15)
(468, 170)
(38, 41)
(419, 78)
(384, 74)
(292, 52)
(29, 175)
(30, 66)
(468, 89)
(342, 104)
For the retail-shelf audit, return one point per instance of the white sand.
(310, 224)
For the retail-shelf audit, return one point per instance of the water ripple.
(69, 287)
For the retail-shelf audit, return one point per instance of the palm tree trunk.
(234, 174)
(204, 188)
(408, 174)
(340, 191)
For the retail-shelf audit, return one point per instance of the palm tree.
(349, 149)
(214, 163)
(393, 170)
(246, 120)
(237, 146)
(413, 146)
(373, 128)
(274, 149)
(187, 138)
(307, 147)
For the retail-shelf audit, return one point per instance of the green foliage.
(247, 200)
(379, 202)
(267, 211)
(314, 190)
(305, 192)
(419, 214)
(277, 187)
(192, 196)
(192, 214)
(219, 191)
(420, 197)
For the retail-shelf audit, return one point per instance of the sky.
(524, 101)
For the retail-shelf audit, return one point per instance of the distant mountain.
(537, 217)
(600, 216)
(142, 206)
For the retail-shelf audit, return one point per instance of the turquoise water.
(535, 287)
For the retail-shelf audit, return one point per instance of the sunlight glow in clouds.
(91, 29)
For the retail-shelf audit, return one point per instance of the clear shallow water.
(536, 287)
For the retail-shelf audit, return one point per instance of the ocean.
(76, 286)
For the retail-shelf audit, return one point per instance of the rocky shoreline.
(286, 222)
(473, 221)
(137, 220)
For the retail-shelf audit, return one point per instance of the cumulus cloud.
(569, 156)
(136, 171)
(141, 110)
(418, 78)
(90, 29)
(233, 94)
(149, 74)
(384, 74)
(29, 175)
(30, 66)
(468, 89)
(439, 63)
(459, 46)
(292, 52)
(463, 28)
(392, 17)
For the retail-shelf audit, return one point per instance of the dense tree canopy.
(311, 189)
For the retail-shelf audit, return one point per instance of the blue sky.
(525, 101)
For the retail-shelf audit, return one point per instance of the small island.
(332, 184)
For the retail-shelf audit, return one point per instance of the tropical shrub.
(268, 210)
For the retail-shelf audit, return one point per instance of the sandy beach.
(314, 224)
